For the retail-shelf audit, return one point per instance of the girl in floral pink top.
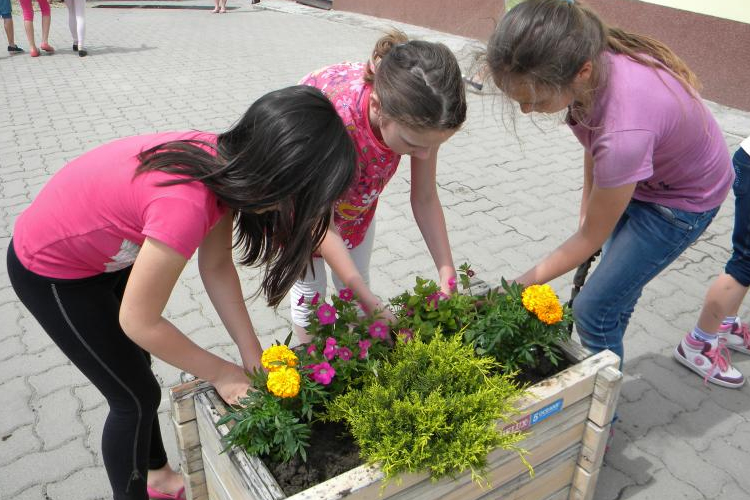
(407, 100)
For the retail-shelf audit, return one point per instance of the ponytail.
(418, 83)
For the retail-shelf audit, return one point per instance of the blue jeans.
(647, 238)
(738, 266)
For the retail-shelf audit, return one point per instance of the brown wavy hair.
(548, 41)
(418, 83)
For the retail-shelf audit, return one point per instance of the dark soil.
(543, 370)
(332, 452)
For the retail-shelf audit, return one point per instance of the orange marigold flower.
(277, 357)
(284, 382)
(542, 301)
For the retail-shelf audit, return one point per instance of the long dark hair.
(548, 41)
(418, 83)
(289, 154)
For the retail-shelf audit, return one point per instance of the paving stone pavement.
(509, 198)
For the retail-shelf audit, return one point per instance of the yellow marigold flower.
(284, 382)
(543, 302)
(277, 357)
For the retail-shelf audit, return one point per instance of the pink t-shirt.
(345, 88)
(93, 215)
(645, 128)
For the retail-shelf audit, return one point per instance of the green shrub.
(431, 407)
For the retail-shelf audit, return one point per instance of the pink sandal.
(158, 495)
(47, 47)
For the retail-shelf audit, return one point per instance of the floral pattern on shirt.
(344, 86)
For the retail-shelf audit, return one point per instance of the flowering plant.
(346, 344)
(427, 308)
(274, 418)
(520, 326)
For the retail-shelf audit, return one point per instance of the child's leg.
(72, 26)
(305, 289)
(723, 300)
(80, 15)
(28, 24)
(81, 317)
(361, 255)
(46, 20)
(646, 240)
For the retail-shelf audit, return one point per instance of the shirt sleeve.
(179, 223)
(623, 157)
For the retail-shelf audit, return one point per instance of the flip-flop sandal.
(158, 495)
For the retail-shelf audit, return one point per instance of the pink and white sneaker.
(737, 337)
(711, 362)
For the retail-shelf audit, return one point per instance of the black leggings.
(82, 318)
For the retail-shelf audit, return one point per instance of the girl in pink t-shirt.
(656, 167)
(97, 255)
(407, 100)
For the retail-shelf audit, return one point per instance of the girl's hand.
(231, 383)
(448, 282)
(373, 305)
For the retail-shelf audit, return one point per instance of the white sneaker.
(712, 363)
(737, 337)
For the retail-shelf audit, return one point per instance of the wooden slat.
(562, 494)
(593, 446)
(550, 477)
(190, 459)
(187, 434)
(574, 351)
(606, 394)
(584, 484)
(196, 491)
(571, 384)
(181, 399)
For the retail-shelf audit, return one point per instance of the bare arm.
(151, 281)
(588, 181)
(222, 283)
(334, 252)
(428, 213)
(604, 209)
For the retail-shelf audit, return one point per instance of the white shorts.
(309, 286)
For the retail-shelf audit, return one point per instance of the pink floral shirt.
(343, 84)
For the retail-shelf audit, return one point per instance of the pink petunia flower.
(378, 330)
(346, 294)
(322, 373)
(312, 348)
(326, 314)
(330, 341)
(315, 299)
(330, 352)
(364, 345)
(435, 298)
(344, 353)
(452, 283)
(470, 273)
(301, 300)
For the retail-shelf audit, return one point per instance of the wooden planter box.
(567, 416)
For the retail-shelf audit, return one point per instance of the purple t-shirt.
(93, 215)
(645, 128)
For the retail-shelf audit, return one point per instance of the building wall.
(712, 37)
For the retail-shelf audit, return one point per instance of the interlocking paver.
(511, 193)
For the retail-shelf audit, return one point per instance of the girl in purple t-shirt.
(656, 167)
(407, 100)
(97, 254)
